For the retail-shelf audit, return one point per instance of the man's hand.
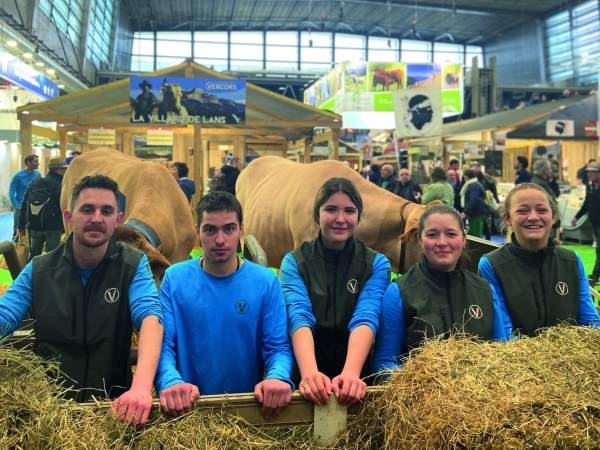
(463, 215)
(22, 232)
(274, 395)
(133, 406)
(177, 400)
(348, 389)
(573, 221)
(316, 387)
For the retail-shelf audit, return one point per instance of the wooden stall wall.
(578, 153)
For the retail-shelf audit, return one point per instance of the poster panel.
(423, 76)
(165, 100)
(418, 112)
(386, 76)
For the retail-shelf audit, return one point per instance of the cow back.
(278, 195)
(151, 193)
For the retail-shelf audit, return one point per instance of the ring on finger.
(307, 386)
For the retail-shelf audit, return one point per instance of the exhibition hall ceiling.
(463, 21)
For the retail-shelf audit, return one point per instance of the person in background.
(453, 181)
(582, 174)
(539, 284)
(439, 189)
(521, 164)
(389, 182)
(40, 213)
(473, 202)
(18, 186)
(231, 173)
(333, 286)
(407, 188)
(86, 297)
(591, 207)
(438, 296)
(180, 172)
(375, 175)
(225, 320)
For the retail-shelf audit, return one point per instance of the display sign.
(159, 136)
(418, 112)
(101, 135)
(165, 100)
(19, 73)
(361, 91)
(560, 128)
(493, 160)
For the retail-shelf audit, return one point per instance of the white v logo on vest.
(111, 295)
(353, 286)
(562, 288)
(475, 312)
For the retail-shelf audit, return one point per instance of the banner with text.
(101, 135)
(196, 101)
(159, 136)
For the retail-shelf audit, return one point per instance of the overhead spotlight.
(282, 88)
(61, 86)
(11, 43)
(27, 55)
(51, 71)
(39, 64)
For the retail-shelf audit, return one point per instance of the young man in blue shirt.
(225, 320)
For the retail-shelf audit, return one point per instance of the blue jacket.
(475, 200)
(188, 187)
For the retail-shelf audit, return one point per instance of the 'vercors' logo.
(353, 286)
(475, 312)
(111, 295)
(562, 288)
(242, 307)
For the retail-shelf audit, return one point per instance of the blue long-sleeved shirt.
(587, 314)
(18, 186)
(143, 297)
(389, 340)
(367, 308)
(220, 332)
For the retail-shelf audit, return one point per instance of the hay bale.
(540, 393)
(34, 416)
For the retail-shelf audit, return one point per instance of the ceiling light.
(27, 55)
(11, 43)
(51, 71)
(60, 86)
(39, 64)
(25, 112)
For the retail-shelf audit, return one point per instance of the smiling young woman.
(333, 286)
(539, 284)
(437, 296)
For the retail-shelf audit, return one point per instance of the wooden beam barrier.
(327, 420)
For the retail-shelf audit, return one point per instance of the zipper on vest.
(335, 331)
(328, 306)
(545, 323)
(73, 315)
(449, 299)
(443, 314)
(537, 304)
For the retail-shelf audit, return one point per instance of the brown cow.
(278, 195)
(154, 203)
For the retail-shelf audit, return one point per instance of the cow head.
(133, 238)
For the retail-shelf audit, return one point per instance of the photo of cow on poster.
(165, 100)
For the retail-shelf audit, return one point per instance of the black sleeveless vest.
(334, 280)
(540, 288)
(436, 302)
(88, 330)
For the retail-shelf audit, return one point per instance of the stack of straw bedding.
(540, 393)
